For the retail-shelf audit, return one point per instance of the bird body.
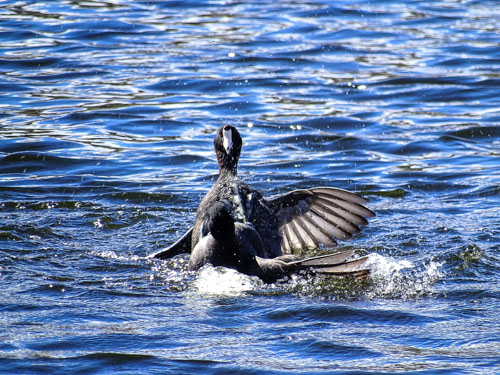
(259, 236)
(247, 207)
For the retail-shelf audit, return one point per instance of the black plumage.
(287, 224)
(236, 245)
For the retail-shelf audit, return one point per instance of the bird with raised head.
(287, 224)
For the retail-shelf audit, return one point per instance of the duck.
(293, 223)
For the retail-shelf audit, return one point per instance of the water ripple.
(107, 115)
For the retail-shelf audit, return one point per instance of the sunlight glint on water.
(107, 115)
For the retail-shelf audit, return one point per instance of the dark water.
(107, 114)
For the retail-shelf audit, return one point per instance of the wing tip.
(360, 275)
(161, 254)
(341, 193)
(181, 246)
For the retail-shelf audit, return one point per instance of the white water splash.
(391, 278)
(110, 254)
(401, 278)
(172, 273)
(223, 281)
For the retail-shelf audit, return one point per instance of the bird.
(288, 224)
(235, 245)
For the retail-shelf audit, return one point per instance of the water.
(107, 113)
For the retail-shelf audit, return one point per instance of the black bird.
(287, 224)
(236, 245)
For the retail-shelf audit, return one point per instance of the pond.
(107, 116)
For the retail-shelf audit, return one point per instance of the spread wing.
(182, 245)
(313, 217)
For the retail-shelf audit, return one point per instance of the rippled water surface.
(107, 114)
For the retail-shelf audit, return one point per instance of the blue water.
(107, 115)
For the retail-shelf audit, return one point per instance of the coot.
(287, 224)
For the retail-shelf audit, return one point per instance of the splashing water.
(390, 278)
(223, 281)
(401, 278)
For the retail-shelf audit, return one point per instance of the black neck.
(227, 163)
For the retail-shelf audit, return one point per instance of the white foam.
(172, 273)
(401, 278)
(382, 266)
(110, 254)
(223, 281)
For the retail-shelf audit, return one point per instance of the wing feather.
(344, 267)
(293, 240)
(336, 220)
(342, 194)
(349, 206)
(319, 235)
(305, 239)
(285, 242)
(339, 211)
(313, 217)
(182, 245)
(328, 227)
